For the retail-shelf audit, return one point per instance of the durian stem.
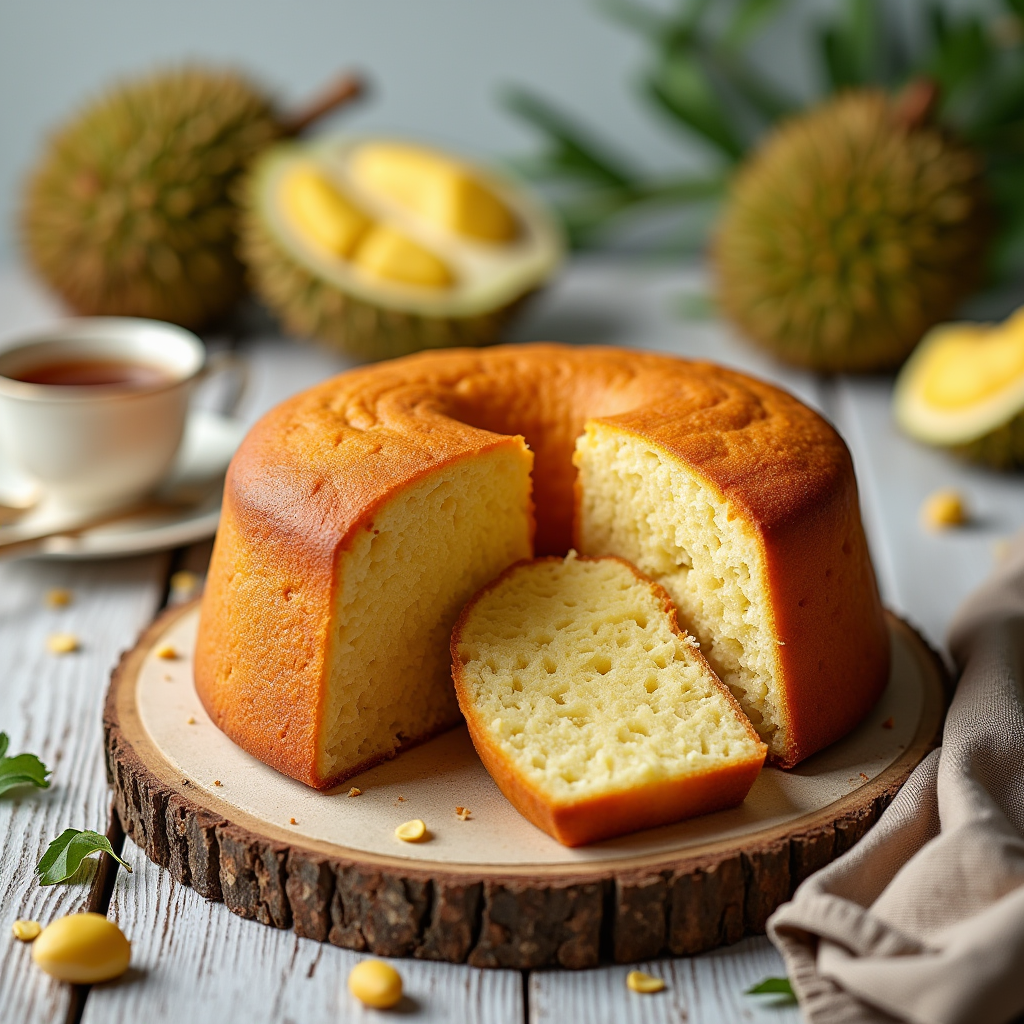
(339, 93)
(916, 103)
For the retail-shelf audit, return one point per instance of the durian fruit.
(963, 389)
(381, 247)
(129, 211)
(850, 232)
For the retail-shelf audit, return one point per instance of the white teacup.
(94, 409)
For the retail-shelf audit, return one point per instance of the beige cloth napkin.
(923, 920)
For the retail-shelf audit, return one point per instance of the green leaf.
(682, 88)
(65, 854)
(749, 16)
(21, 770)
(772, 986)
(849, 48)
(575, 150)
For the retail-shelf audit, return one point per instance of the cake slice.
(593, 712)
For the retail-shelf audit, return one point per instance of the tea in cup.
(94, 409)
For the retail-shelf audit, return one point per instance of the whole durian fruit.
(129, 211)
(850, 232)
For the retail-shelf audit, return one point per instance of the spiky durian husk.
(130, 213)
(1002, 448)
(310, 307)
(849, 233)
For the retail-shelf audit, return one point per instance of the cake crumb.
(463, 813)
(866, 778)
(217, 782)
(401, 799)
(354, 791)
(59, 597)
(168, 679)
(191, 720)
(292, 821)
(62, 643)
(889, 723)
(944, 509)
(168, 652)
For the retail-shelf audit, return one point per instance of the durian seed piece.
(443, 191)
(944, 509)
(391, 256)
(639, 981)
(320, 213)
(59, 597)
(26, 931)
(411, 831)
(62, 643)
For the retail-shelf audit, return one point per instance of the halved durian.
(963, 389)
(382, 247)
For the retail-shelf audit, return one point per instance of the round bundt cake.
(361, 515)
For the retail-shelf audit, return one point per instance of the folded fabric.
(923, 920)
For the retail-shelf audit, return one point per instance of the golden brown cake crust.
(314, 470)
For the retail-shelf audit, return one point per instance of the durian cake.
(592, 710)
(360, 516)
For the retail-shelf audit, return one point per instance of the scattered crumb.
(889, 722)
(62, 643)
(462, 813)
(355, 792)
(190, 720)
(184, 584)
(167, 651)
(638, 981)
(26, 931)
(292, 821)
(217, 782)
(412, 831)
(401, 799)
(168, 679)
(866, 778)
(944, 509)
(59, 597)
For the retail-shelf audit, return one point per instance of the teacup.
(94, 409)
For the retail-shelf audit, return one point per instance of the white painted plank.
(707, 989)
(925, 575)
(52, 706)
(194, 961)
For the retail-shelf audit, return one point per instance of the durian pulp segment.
(963, 381)
(441, 190)
(321, 212)
(481, 277)
(391, 256)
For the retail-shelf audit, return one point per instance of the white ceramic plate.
(210, 441)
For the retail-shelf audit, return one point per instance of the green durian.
(129, 212)
(382, 247)
(849, 233)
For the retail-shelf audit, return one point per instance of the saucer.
(195, 480)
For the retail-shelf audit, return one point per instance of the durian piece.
(128, 213)
(963, 389)
(853, 230)
(320, 212)
(373, 262)
(389, 255)
(441, 190)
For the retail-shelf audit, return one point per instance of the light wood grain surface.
(193, 960)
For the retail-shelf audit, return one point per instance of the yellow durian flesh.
(441, 190)
(964, 382)
(391, 256)
(320, 213)
(972, 362)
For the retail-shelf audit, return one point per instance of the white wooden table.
(192, 960)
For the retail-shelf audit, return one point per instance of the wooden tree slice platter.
(493, 890)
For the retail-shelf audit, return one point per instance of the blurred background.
(437, 67)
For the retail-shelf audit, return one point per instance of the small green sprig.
(20, 770)
(65, 854)
(773, 987)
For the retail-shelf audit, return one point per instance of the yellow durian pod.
(963, 389)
